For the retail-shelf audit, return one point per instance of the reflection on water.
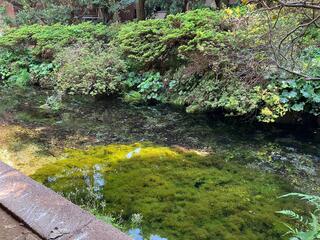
(136, 234)
(98, 178)
(96, 182)
(136, 151)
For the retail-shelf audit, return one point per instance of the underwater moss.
(22, 154)
(180, 194)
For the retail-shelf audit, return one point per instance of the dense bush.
(50, 15)
(21, 69)
(219, 60)
(154, 43)
(301, 96)
(89, 69)
(42, 74)
(14, 68)
(297, 94)
(44, 40)
(147, 86)
(207, 92)
(204, 60)
(28, 53)
(201, 55)
(6, 58)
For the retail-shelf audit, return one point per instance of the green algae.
(179, 193)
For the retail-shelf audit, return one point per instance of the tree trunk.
(140, 6)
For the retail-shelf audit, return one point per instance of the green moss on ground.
(179, 193)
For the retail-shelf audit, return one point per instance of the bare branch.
(300, 4)
(298, 27)
(280, 52)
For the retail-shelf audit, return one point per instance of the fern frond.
(293, 216)
(315, 226)
(312, 199)
(292, 230)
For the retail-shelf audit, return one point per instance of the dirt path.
(11, 229)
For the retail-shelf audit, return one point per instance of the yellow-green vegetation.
(179, 193)
(45, 40)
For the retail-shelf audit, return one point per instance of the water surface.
(160, 173)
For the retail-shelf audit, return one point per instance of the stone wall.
(47, 213)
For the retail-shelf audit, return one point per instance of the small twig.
(278, 16)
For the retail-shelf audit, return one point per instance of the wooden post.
(186, 6)
(10, 11)
(211, 4)
(140, 8)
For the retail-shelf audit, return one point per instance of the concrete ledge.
(49, 214)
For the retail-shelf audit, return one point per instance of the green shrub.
(14, 68)
(206, 93)
(42, 74)
(51, 14)
(153, 43)
(148, 86)
(20, 79)
(271, 106)
(202, 56)
(44, 41)
(301, 96)
(133, 97)
(310, 60)
(6, 59)
(89, 69)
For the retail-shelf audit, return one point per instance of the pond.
(157, 172)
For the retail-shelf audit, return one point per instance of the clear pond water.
(158, 172)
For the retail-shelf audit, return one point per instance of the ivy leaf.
(290, 95)
(292, 83)
(284, 100)
(298, 107)
(316, 98)
(307, 91)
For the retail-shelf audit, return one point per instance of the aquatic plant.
(90, 200)
(179, 193)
